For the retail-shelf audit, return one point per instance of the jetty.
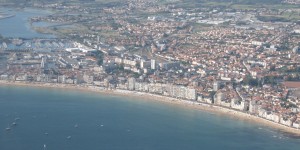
(5, 16)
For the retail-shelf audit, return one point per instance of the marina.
(17, 25)
(37, 45)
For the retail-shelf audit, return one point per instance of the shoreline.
(7, 16)
(216, 110)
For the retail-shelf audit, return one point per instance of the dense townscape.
(246, 59)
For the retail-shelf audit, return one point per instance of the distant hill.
(29, 1)
(252, 1)
(229, 1)
(243, 2)
(248, 2)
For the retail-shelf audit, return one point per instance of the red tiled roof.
(292, 84)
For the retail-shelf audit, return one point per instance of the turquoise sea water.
(100, 122)
(18, 26)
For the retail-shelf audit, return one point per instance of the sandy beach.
(217, 110)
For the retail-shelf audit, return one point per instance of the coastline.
(6, 16)
(216, 110)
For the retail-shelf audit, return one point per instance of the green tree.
(99, 56)
(248, 80)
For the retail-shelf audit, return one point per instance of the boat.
(8, 128)
(14, 123)
(45, 146)
(69, 137)
(76, 126)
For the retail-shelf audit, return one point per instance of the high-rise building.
(131, 83)
(216, 86)
(153, 64)
(145, 64)
(191, 94)
(43, 63)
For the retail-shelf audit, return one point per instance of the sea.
(75, 120)
(19, 25)
(55, 119)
